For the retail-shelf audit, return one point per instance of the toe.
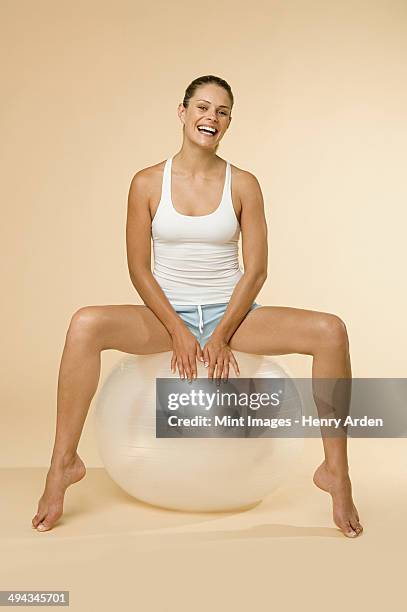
(37, 519)
(348, 530)
(49, 521)
(42, 527)
(356, 526)
(45, 525)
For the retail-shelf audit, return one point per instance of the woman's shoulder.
(145, 187)
(149, 173)
(148, 179)
(244, 181)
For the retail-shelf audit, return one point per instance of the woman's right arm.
(138, 241)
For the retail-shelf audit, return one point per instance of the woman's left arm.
(216, 352)
(254, 250)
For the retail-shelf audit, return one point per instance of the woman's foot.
(59, 477)
(339, 486)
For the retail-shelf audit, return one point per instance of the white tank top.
(196, 258)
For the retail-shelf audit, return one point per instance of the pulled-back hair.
(203, 80)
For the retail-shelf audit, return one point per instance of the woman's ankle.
(336, 469)
(63, 460)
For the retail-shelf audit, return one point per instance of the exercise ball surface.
(211, 474)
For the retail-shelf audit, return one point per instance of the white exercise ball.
(191, 474)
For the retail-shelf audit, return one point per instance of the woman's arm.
(138, 241)
(254, 250)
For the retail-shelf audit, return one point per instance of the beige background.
(90, 92)
(90, 97)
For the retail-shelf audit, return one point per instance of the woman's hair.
(203, 80)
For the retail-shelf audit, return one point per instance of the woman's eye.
(221, 112)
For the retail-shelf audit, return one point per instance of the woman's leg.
(277, 330)
(128, 328)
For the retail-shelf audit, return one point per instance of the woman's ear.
(181, 112)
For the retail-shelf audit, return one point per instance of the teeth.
(206, 127)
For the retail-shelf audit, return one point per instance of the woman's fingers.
(199, 351)
(225, 370)
(187, 367)
(219, 369)
(180, 368)
(192, 360)
(205, 354)
(211, 366)
(191, 368)
(222, 366)
(234, 364)
(186, 364)
(215, 366)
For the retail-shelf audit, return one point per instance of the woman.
(198, 302)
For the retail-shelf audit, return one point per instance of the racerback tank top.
(196, 258)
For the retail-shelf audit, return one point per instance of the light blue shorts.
(202, 320)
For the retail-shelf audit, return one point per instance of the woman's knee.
(86, 324)
(332, 331)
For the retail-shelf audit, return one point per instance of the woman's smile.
(208, 131)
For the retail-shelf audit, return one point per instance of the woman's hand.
(218, 355)
(186, 350)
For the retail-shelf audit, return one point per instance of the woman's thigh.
(129, 328)
(279, 330)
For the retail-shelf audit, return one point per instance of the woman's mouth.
(207, 130)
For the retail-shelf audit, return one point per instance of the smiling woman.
(204, 105)
(199, 303)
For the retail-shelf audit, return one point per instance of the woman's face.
(210, 106)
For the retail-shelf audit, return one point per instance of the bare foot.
(50, 505)
(345, 514)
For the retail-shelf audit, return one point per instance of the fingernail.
(41, 527)
(206, 364)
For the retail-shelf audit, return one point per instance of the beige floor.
(114, 553)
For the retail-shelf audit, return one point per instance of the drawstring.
(200, 318)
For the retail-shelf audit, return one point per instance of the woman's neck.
(196, 161)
